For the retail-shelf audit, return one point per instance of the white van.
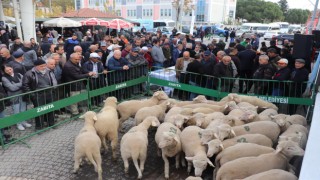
(284, 26)
(247, 28)
(293, 28)
(273, 31)
(262, 29)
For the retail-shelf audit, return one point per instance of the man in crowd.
(51, 50)
(224, 70)
(30, 56)
(70, 44)
(72, 72)
(157, 54)
(40, 77)
(126, 50)
(247, 58)
(17, 44)
(6, 56)
(17, 65)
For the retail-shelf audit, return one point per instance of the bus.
(166, 23)
(147, 23)
(284, 27)
(247, 28)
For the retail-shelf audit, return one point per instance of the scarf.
(16, 77)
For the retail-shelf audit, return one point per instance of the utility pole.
(27, 19)
(1, 12)
(193, 7)
(17, 17)
(313, 17)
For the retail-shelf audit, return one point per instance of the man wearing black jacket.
(195, 79)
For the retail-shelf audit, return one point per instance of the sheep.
(274, 174)
(265, 115)
(208, 118)
(203, 110)
(252, 100)
(285, 121)
(247, 166)
(238, 151)
(107, 124)
(194, 151)
(296, 133)
(178, 120)
(134, 144)
(168, 140)
(128, 109)
(193, 178)
(242, 116)
(156, 110)
(177, 110)
(214, 147)
(219, 132)
(242, 105)
(248, 138)
(267, 128)
(198, 99)
(192, 121)
(88, 144)
(215, 108)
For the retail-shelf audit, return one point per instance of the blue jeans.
(193, 95)
(157, 65)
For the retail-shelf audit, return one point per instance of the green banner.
(114, 87)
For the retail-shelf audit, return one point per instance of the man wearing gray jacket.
(157, 54)
(30, 56)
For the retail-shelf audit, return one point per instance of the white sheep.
(242, 105)
(220, 132)
(208, 118)
(242, 116)
(247, 166)
(275, 174)
(265, 115)
(285, 121)
(193, 178)
(267, 128)
(177, 120)
(296, 133)
(198, 99)
(214, 108)
(268, 112)
(252, 100)
(134, 144)
(168, 140)
(158, 111)
(238, 151)
(87, 144)
(214, 147)
(248, 138)
(128, 109)
(107, 124)
(195, 152)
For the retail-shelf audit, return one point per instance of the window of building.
(134, 13)
(143, 12)
(166, 12)
(150, 12)
(161, 12)
(118, 12)
(147, 12)
(169, 12)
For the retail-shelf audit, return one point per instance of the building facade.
(206, 11)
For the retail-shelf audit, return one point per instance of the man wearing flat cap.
(97, 81)
(17, 65)
(299, 75)
(39, 77)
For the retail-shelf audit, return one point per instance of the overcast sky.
(299, 4)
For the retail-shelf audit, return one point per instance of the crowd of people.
(29, 66)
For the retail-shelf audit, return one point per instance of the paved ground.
(51, 157)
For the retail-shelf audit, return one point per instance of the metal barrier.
(50, 107)
(47, 108)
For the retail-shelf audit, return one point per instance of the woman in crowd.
(12, 82)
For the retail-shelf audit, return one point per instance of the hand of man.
(125, 67)
(104, 71)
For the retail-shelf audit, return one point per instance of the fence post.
(88, 94)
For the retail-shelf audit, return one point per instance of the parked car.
(164, 29)
(282, 37)
(214, 30)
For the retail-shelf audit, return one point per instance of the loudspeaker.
(302, 48)
(316, 34)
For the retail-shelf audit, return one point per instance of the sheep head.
(179, 120)
(289, 149)
(207, 135)
(111, 101)
(168, 139)
(160, 95)
(214, 147)
(90, 117)
(297, 137)
(199, 163)
(225, 131)
(231, 105)
(200, 99)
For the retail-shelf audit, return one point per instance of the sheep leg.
(77, 161)
(126, 165)
(114, 144)
(97, 159)
(103, 140)
(189, 167)
(142, 158)
(178, 161)
(183, 161)
(166, 166)
(90, 157)
(135, 162)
